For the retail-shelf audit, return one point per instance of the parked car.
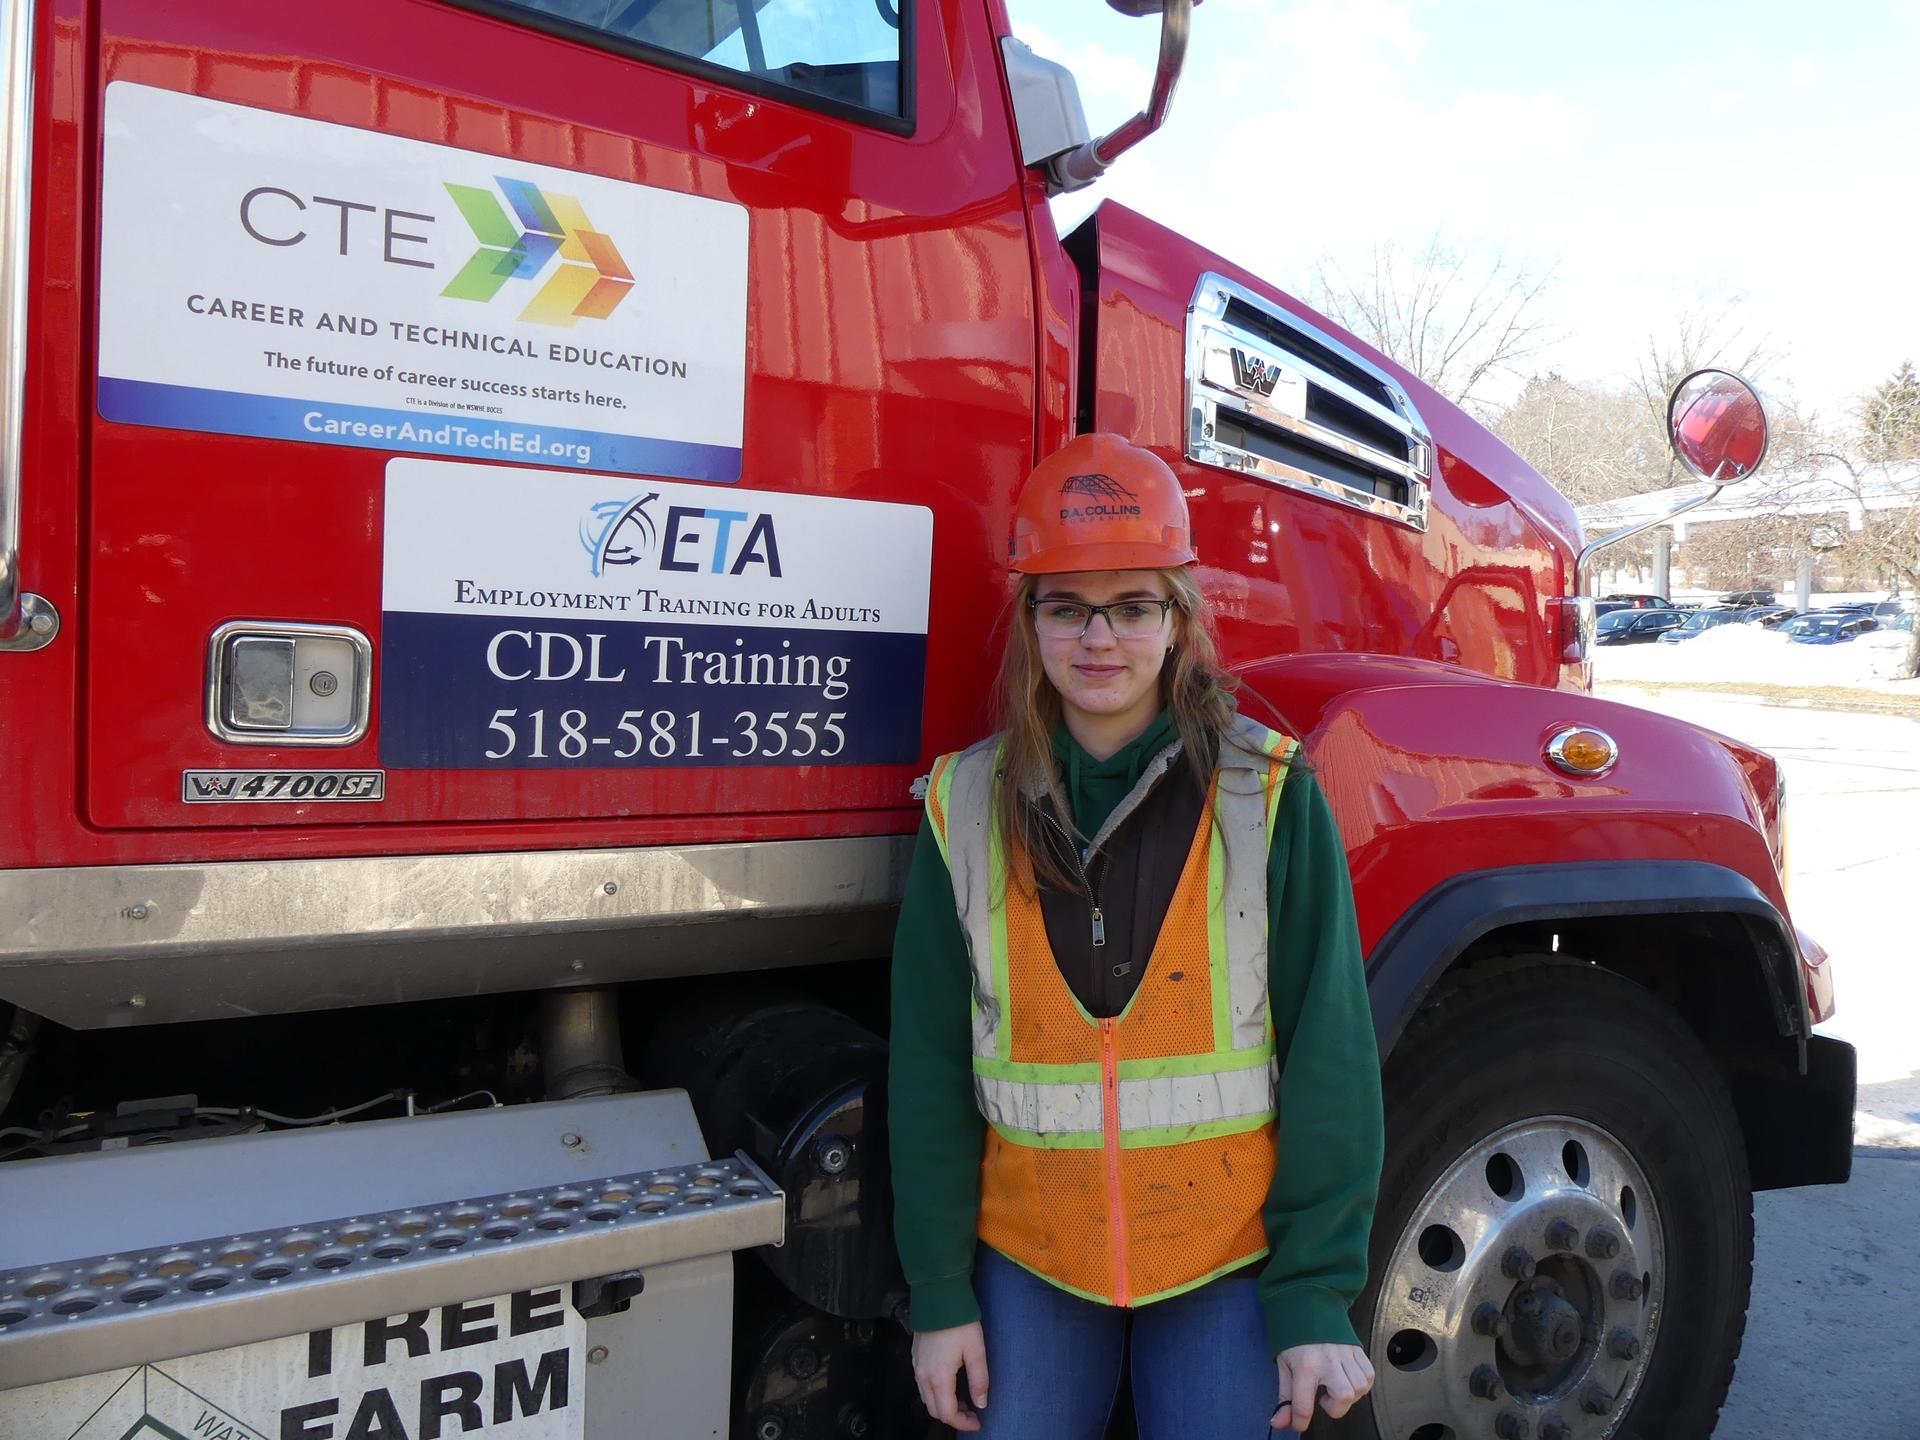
(1609, 607)
(1701, 621)
(1846, 607)
(1828, 628)
(1748, 597)
(1903, 621)
(1642, 602)
(1636, 627)
(1773, 616)
(1891, 608)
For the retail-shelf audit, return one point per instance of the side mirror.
(1086, 163)
(1046, 103)
(1717, 426)
(1718, 429)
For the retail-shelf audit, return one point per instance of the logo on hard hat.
(1101, 488)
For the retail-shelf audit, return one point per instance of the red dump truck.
(500, 503)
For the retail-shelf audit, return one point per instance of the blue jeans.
(1201, 1368)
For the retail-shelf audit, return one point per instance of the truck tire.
(1563, 1247)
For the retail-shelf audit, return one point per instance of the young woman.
(1134, 1080)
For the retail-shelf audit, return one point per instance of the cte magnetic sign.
(542, 619)
(264, 274)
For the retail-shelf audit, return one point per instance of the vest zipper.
(1110, 1140)
(1086, 883)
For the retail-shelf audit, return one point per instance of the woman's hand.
(1343, 1371)
(939, 1355)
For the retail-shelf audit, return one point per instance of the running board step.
(135, 1305)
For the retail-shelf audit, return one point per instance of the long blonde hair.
(1192, 686)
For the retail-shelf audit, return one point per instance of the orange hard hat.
(1100, 503)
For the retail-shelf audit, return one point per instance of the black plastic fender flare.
(1436, 929)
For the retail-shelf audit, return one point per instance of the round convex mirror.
(1717, 426)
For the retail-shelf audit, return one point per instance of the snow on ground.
(1730, 654)
(1853, 815)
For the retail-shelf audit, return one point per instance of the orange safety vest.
(1126, 1159)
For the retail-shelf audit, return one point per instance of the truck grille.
(1273, 396)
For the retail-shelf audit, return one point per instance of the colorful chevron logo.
(592, 278)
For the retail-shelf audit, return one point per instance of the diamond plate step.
(549, 1215)
(114, 1310)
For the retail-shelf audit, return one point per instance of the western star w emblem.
(1252, 372)
(592, 279)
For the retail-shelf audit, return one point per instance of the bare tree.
(1458, 315)
(1888, 540)
(1710, 335)
(1592, 443)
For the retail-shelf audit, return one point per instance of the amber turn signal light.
(1583, 751)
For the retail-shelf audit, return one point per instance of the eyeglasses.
(1127, 619)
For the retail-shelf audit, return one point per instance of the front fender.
(1434, 773)
(1426, 941)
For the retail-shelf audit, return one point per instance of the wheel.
(1564, 1242)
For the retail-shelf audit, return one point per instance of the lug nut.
(832, 1154)
(1596, 1400)
(1517, 1263)
(771, 1425)
(1511, 1425)
(1488, 1321)
(1484, 1382)
(1563, 1234)
(1602, 1243)
(1623, 1344)
(1626, 1285)
(1554, 1428)
(803, 1362)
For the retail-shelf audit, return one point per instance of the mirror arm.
(1583, 567)
(1086, 163)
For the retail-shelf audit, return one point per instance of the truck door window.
(843, 56)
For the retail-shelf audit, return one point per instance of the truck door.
(545, 412)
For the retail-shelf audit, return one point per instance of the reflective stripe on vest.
(1224, 1090)
(1161, 1101)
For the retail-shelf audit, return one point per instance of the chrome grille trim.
(1238, 377)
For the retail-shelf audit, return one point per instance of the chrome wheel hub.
(1523, 1298)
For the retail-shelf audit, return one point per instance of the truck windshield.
(843, 51)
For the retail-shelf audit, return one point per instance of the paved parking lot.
(1831, 1335)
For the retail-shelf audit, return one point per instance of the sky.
(1755, 162)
